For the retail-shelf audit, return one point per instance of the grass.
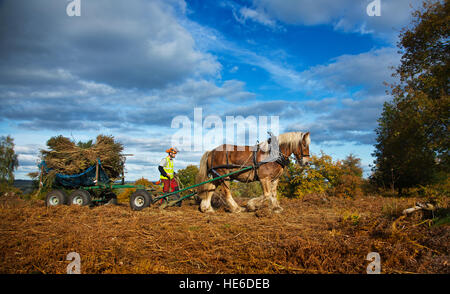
(309, 236)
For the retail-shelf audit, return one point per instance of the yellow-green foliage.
(246, 190)
(351, 217)
(433, 192)
(323, 175)
(126, 193)
(5, 188)
(187, 175)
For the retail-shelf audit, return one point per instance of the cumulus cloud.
(344, 15)
(368, 69)
(119, 66)
(135, 43)
(92, 106)
(347, 120)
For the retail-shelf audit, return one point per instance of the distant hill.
(25, 185)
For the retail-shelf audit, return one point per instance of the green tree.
(85, 145)
(8, 160)
(187, 175)
(413, 131)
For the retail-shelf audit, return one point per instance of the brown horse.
(228, 158)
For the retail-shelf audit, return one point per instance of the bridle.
(302, 155)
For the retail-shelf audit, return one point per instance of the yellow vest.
(168, 169)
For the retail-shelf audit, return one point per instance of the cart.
(91, 187)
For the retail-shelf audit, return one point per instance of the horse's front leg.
(232, 205)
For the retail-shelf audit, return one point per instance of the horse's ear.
(306, 138)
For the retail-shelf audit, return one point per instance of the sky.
(133, 68)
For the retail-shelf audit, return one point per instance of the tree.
(85, 145)
(352, 165)
(413, 131)
(187, 175)
(8, 160)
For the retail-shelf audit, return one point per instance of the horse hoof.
(206, 210)
(251, 208)
(251, 205)
(238, 210)
(278, 210)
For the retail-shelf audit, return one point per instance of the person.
(167, 176)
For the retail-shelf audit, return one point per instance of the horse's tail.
(202, 175)
(203, 171)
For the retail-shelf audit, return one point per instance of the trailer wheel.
(80, 197)
(140, 199)
(56, 197)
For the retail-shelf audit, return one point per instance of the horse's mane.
(292, 140)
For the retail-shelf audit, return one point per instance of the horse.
(227, 158)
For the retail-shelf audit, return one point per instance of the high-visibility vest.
(168, 168)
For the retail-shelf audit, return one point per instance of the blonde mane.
(292, 140)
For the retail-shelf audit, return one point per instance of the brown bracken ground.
(312, 235)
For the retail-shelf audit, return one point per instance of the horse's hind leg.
(206, 194)
(256, 203)
(232, 205)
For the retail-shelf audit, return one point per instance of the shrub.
(246, 190)
(126, 193)
(323, 175)
(187, 175)
(433, 193)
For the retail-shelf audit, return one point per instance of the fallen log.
(419, 206)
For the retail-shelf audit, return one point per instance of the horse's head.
(302, 152)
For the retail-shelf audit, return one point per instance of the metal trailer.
(91, 187)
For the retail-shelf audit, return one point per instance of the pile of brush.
(67, 157)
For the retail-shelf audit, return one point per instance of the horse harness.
(282, 160)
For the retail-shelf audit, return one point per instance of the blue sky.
(128, 68)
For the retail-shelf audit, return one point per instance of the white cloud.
(246, 13)
(139, 44)
(343, 15)
(234, 69)
(369, 69)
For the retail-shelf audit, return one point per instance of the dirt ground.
(312, 235)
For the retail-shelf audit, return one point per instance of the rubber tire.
(63, 199)
(83, 194)
(143, 195)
